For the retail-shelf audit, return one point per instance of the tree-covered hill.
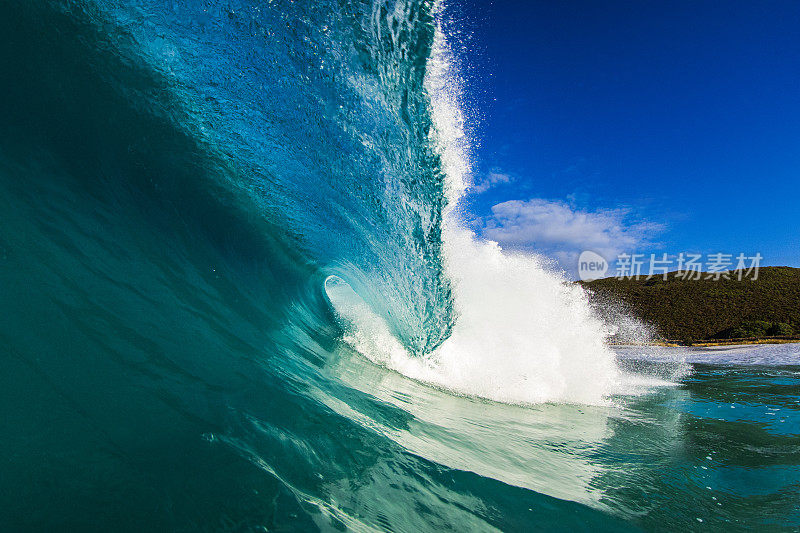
(706, 309)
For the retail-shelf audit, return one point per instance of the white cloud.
(561, 231)
(489, 181)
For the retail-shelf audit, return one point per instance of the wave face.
(314, 115)
(236, 296)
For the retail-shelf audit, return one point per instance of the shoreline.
(711, 344)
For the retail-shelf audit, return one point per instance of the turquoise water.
(178, 182)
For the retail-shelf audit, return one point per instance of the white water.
(522, 334)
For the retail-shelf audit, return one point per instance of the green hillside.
(694, 310)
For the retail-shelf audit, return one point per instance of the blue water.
(177, 182)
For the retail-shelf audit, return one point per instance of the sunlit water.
(236, 296)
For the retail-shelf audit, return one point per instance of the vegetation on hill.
(689, 311)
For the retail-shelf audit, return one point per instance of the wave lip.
(521, 334)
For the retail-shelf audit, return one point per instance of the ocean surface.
(237, 295)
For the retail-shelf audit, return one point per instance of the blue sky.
(636, 126)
